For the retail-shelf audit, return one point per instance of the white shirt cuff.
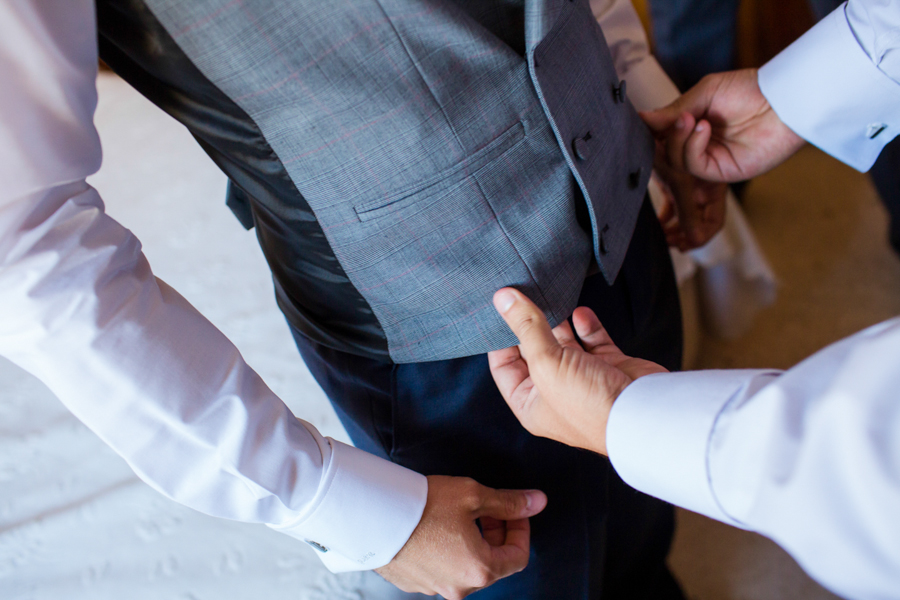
(365, 512)
(659, 432)
(828, 91)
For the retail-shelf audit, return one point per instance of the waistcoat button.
(603, 249)
(581, 148)
(634, 178)
(619, 91)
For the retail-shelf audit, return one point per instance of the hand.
(723, 129)
(555, 387)
(448, 555)
(694, 209)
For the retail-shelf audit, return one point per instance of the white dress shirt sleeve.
(838, 86)
(648, 85)
(809, 458)
(127, 354)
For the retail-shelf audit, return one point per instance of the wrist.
(790, 139)
(600, 444)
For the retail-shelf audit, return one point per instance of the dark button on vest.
(620, 92)
(581, 146)
(634, 178)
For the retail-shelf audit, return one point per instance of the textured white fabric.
(737, 280)
(127, 354)
(838, 86)
(810, 458)
(658, 434)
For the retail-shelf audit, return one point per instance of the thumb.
(511, 505)
(662, 119)
(526, 321)
(697, 159)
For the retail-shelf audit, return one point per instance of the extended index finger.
(593, 334)
(527, 322)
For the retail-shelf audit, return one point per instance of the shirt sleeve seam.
(738, 396)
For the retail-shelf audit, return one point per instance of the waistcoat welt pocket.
(432, 189)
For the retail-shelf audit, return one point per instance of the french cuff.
(829, 92)
(364, 512)
(659, 433)
(649, 87)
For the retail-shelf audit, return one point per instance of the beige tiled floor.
(824, 230)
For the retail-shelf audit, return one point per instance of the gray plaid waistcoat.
(440, 163)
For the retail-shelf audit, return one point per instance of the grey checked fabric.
(436, 158)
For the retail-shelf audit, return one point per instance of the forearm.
(648, 85)
(154, 379)
(806, 457)
(659, 430)
(127, 354)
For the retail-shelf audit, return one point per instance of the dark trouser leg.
(694, 37)
(447, 418)
(886, 177)
(821, 8)
(640, 528)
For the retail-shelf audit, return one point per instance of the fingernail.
(503, 300)
(699, 127)
(534, 498)
(679, 124)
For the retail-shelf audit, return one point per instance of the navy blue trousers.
(597, 538)
(885, 175)
(693, 38)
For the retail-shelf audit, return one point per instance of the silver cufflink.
(873, 130)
